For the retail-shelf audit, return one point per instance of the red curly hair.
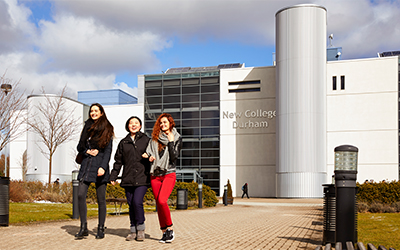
(157, 128)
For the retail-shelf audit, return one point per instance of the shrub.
(383, 192)
(362, 207)
(388, 209)
(376, 208)
(35, 190)
(18, 192)
(396, 206)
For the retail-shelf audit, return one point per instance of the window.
(245, 82)
(244, 90)
(334, 82)
(341, 82)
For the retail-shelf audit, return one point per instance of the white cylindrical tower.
(301, 101)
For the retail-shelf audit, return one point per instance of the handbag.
(79, 158)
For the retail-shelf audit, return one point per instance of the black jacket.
(136, 170)
(91, 164)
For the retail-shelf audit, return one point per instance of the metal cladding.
(301, 103)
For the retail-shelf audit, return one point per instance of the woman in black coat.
(135, 174)
(95, 144)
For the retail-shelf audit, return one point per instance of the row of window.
(174, 81)
(246, 89)
(194, 132)
(182, 90)
(190, 123)
(204, 114)
(334, 82)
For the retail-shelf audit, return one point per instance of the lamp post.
(6, 88)
(5, 181)
(75, 184)
(345, 182)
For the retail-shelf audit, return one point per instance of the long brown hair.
(101, 131)
(157, 128)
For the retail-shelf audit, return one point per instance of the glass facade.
(193, 100)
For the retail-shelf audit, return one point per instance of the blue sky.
(106, 44)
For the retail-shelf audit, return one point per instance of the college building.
(273, 127)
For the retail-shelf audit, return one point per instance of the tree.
(12, 109)
(23, 163)
(54, 122)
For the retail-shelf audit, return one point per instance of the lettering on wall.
(251, 117)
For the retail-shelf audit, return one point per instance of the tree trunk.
(50, 163)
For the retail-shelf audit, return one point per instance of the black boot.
(83, 231)
(100, 232)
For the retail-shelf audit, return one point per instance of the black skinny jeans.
(101, 201)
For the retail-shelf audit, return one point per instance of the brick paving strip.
(248, 224)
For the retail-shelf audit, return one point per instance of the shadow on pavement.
(305, 240)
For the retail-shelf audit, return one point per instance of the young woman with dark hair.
(135, 174)
(96, 144)
(163, 151)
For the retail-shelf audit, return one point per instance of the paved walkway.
(248, 224)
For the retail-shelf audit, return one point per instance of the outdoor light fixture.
(346, 161)
(6, 88)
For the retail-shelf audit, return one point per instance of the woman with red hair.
(163, 151)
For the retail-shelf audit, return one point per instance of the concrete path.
(247, 224)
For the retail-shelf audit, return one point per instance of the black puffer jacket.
(136, 170)
(91, 164)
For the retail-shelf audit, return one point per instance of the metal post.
(226, 195)
(6, 88)
(345, 183)
(75, 185)
(200, 195)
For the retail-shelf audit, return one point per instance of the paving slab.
(253, 223)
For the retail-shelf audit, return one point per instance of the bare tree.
(23, 163)
(12, 109)
(54, 123)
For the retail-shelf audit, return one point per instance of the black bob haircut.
(130, 118)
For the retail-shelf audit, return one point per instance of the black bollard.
(226, 195)
(200, 195)
(346, 190)
(75, 185)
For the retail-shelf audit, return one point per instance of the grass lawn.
(379, 229)
(36, 212)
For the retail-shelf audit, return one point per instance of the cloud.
(363, 28)
(33, 80)
(250, 21)
(78, 44)
(86, 44)
(126, 88)
(15, 29)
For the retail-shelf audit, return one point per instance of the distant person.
(135, 174)
(163, 151)
(245, 190)
(57, 181)
(95, 143)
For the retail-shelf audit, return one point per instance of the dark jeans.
(134, 197)
(101, 201)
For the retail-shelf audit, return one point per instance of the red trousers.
(162, 187)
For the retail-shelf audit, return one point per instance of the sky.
(103, 44)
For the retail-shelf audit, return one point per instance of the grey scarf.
(160, 164)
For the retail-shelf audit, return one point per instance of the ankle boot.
(83, 231)
(100, 232)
